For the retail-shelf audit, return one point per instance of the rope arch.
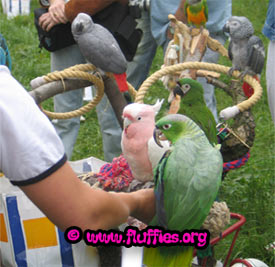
(202, 66)
(81, 71)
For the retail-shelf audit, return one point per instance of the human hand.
(56, 15)
(145, 205)
(57, 11)
(46, 22)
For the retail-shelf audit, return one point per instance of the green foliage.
(248, 190)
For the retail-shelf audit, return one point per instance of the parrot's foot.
(230, 72)
(194, 31)
(246, 72)
(241, 76)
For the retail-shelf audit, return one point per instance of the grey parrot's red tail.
(121, 80)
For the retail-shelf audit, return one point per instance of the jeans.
(209, 90)
(138, 69)
(68, 101)
(270, 78)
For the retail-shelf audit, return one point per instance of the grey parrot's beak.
(79, 27)
(158, 136)
(226, 27)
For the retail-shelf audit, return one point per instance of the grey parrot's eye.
(166, 126)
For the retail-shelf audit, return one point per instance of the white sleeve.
(30, 149)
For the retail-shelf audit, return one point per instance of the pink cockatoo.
(138, 145)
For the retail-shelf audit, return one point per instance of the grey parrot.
(100, 48)
(245, 50)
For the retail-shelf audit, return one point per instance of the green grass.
(248, 190)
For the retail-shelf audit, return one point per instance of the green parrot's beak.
(158, 136)
(177, 91)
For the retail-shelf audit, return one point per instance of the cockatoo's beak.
(159, 136)
(126, 123)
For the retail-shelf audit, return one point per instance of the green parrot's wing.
(211, 130)
(159, 190)
(204, 118)
(191, 181)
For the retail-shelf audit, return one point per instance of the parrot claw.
(246, 72)
(242, 74)
(230, 72)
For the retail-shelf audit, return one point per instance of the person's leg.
(110, 129)
(138, 68)
(270, 78)
(209, 90)
(67, 129)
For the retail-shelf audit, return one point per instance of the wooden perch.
(192, 44)
(53, 88)
(115, 97)
(217, 46)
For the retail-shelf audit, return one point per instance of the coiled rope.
(82, 72)
(246, 104)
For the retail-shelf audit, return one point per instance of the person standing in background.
(155, 27)
(68, 101)
(269, 31)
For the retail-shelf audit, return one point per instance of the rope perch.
(84, 74)
(227, 113)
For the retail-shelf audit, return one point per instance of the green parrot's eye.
(186, 87)
(166, 126)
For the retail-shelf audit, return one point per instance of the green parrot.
(196, 12)
(187, 180)
(193, 106)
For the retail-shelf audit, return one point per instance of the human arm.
(32, 157)
(69, 202)
(73, 7)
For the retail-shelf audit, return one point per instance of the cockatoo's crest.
(158, 105)
(136, 109)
